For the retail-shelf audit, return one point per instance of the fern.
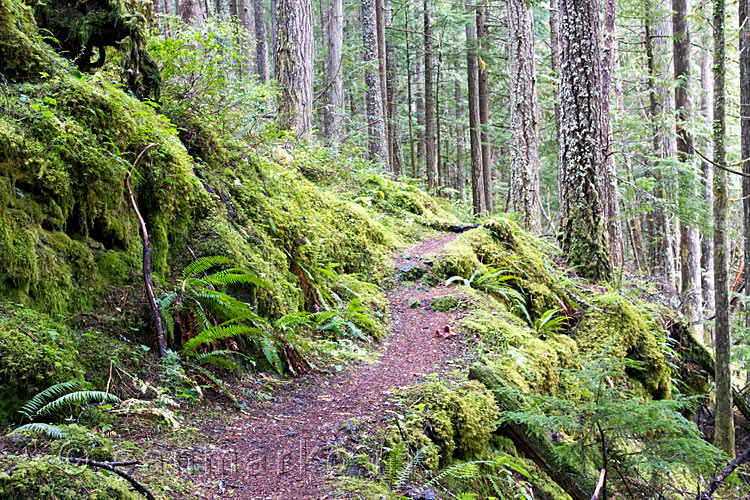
(203, 264)
(217, 333)
(408, 471)
(463, 470)
(268, 347)
(395, 464)
(32, 406)
(550, 322)
(220, 386)
(499, 284)
(51, 431)
(77, 398)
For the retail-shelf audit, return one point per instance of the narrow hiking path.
(283, 450)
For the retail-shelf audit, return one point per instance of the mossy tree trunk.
(373, 93)
(582, 227)
(724, 420)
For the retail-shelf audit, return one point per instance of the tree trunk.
(457, 96)
(554, 49)
(659, 57)
(261, 43)
(689, 242)
(409, 96)
(583, 234)
(744, 14)
(523, 196)
(391, 108)
(373, 96)
(419, 73)
(294, 65)
(707, 169)
(608, 172)
(484, 108)
(472, 69)
(429, 101)
(335, 108)
(724, 420)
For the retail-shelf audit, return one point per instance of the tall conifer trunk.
(582, 231)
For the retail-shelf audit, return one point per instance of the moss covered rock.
(618, 327)
(35, 353)
(459, 419)
(445, 303)
(22, 478)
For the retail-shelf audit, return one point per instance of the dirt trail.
(281, 451)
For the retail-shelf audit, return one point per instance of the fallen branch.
(147, 260)
(600, 484)
(110, 466)
(724, 474)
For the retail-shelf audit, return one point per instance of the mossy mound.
(458, 419)
(22, 52)
(48, 476)
(501, 244)
(80, 442)
(617, 327)
(35, 353)
(445, 303)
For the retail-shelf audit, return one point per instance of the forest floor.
(285, 448)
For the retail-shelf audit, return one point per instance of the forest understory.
(213, 285)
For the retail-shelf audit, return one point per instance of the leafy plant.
(56, 398)
(499, 284)
(550, 322)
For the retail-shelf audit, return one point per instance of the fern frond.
(395, 464)
(220, 386)
(203, 264)
(76, 398)
(234, 276)
(416, 460)
(268, 347)
(32, 406)
(216, 333)
(51, 431)
(464, 470)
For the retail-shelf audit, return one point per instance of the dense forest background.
(212, 212)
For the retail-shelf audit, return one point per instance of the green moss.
(48, 476)
(445, 303)
(29, 365)
(22, 54)
(82, 443)
(460, 420)
(617, 327)
(501, 244)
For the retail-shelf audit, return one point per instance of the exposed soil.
(283, 450)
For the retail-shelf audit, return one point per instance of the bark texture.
(707, 171)
(429, 100)
(724, 419)
(523, 196)
(294, 64)
(262, 68)
(373, 93)
(335, 108)
(690, 268)
(472, 68)
(608, 171)
(583, 235)
(484, 108)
